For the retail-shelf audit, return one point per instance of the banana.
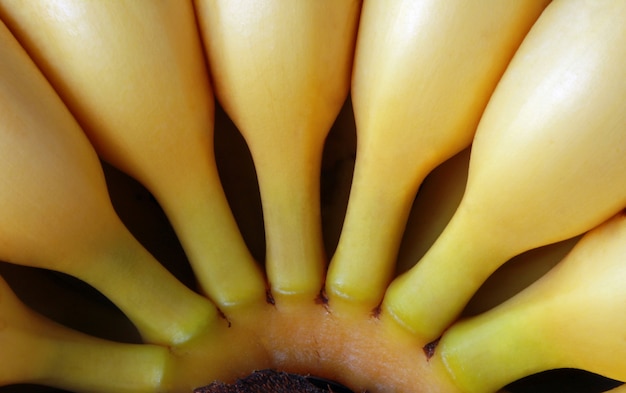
(571, 318)
(435, 203)
(134, 75)
(423, 73)
(56, 213)
(37, 350)
(547, 161)
(281, 70)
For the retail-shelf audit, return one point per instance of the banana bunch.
(524, 189)
(146, 104)
(575, 313)
(284, 105)
(58, 215)
(414, 108)
(475, 233)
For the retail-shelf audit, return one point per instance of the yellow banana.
(435, 204)
(68, 302)
(276, 64)
(423, 73)
(571, 318)
(56, 212)
(37, 350)
(282, 72)
(134, 75)
(547, 161)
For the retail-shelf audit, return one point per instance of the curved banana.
(571, 318)
(423, 73)
(134, 75)
(56, 213)
(281, 71)
(547, 161)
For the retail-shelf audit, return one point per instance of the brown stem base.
(264, 381)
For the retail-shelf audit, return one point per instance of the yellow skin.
(57, 214)
(306, 86)
(573, 312)
(35, 349)
(284, 117)
(414, 108)
(146, 104)
(547, 161)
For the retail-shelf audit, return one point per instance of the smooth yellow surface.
(547, 161)
(571, 318)
(281, 70)
(423, 73)
(134, 75)
(56, 213)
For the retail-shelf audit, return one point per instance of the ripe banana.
(423, 73)
(281, 71)
(56, 213)
(435, 204)
(571, 318)
(547, 161)
(134, 75)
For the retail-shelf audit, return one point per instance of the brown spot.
(224, 317)
(429, 349)
(376, 311)
(269, 298)
(322, 299)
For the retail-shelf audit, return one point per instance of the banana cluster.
(485, 131)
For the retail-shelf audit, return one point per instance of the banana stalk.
(56, 213)
(282, 73)
(37, 350)
(423, 73)
(134, 75)
(435, 204)
(571, 318)
(547, 161)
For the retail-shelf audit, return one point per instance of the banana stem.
(161, 307)
(86, 364)
(427, 298)
(567, 319)
(210, 236)
(290, 195)
(485, 354)
(37, 350)
(367, 251)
